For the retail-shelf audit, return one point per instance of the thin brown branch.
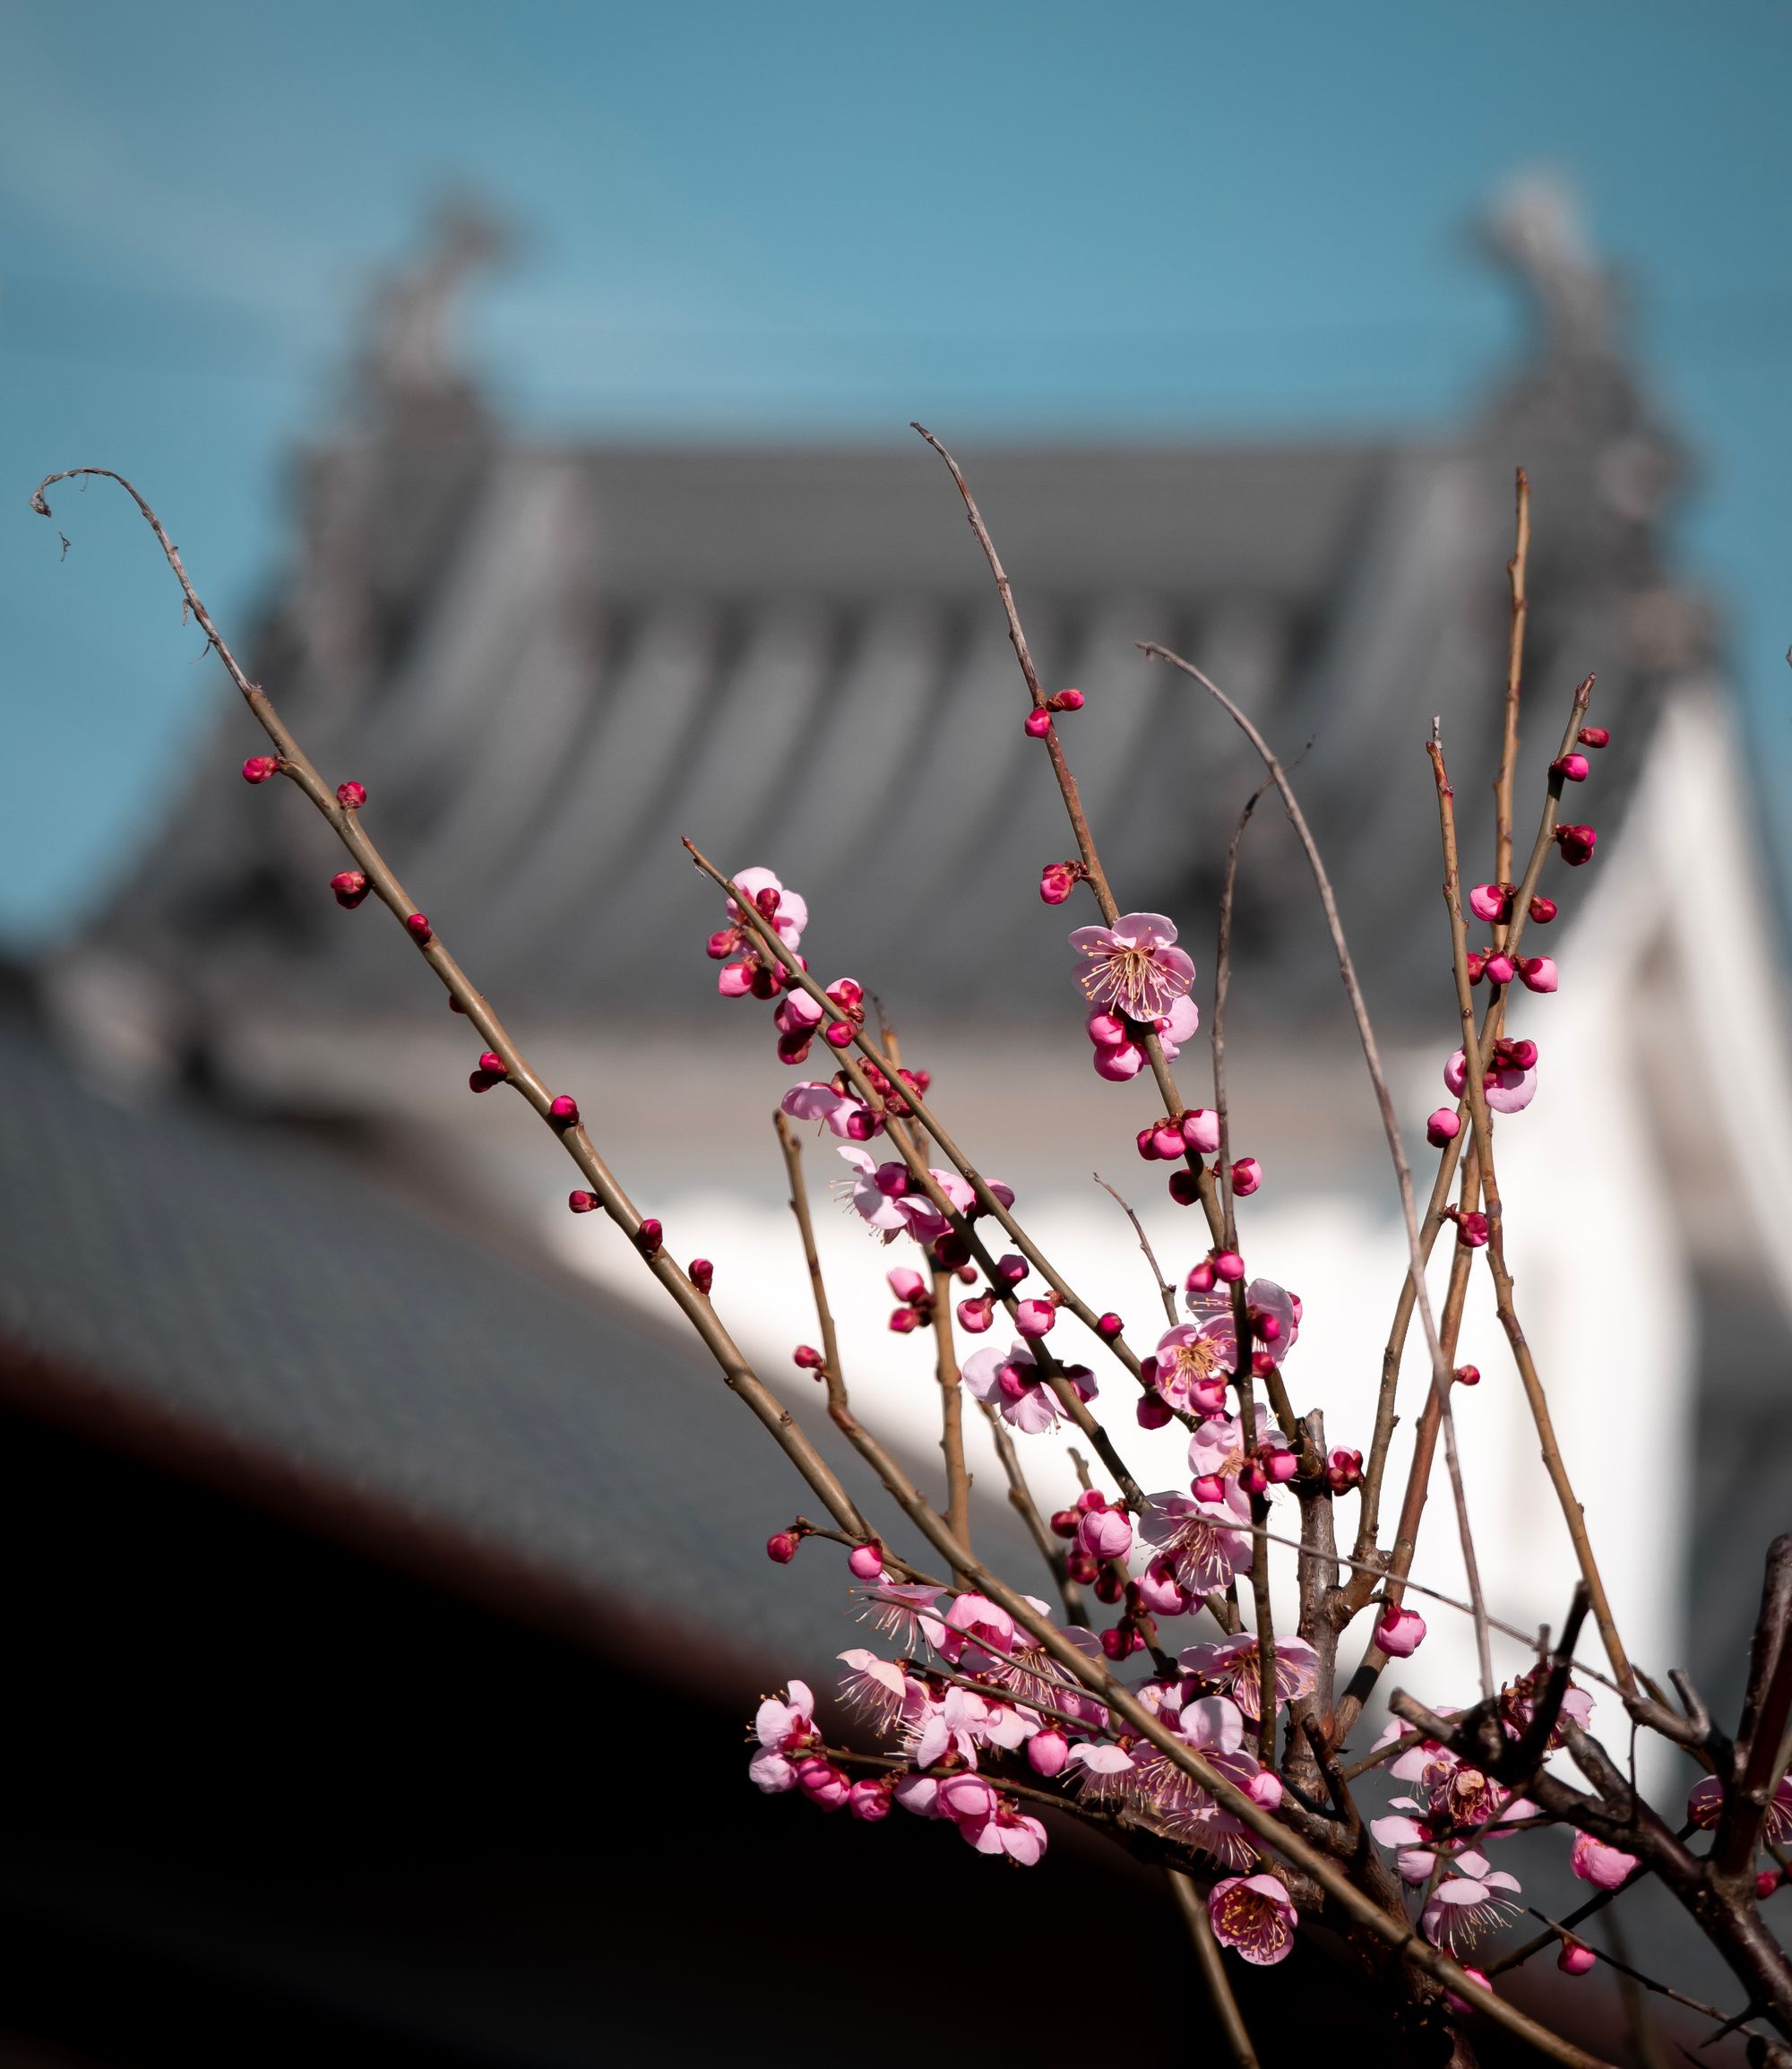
(1365, 1033)
(1165, 1291)
(1476, 1088)
(1021, 1499)
(1212, 1969)
(1502, 780)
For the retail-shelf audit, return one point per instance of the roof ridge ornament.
(407, 369)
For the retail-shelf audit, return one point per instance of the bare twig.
(1365, 1033)
(1212, 1969)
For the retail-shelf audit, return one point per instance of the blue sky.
(819, 222)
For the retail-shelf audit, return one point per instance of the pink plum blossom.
(975, 1621)
(1510, 1088)
(874, 1687)
(771, 1772)
(1012, 1384)
(1704, 1808)
(1232, 1664)
(846, 1116)
(869, 1800)
(1471, 1900)
(1253, 1915)
(789, 913)
(1133, 966)
(822, 1783)
(1607, 1867)
(903, 1610)
(1200, 1541)
(781, 1726)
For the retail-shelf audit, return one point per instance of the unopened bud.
(1468, 1376)
(1228, 1265)
(1247, 1175)
(1048, 1751)
(1147, 1139)
(1490, 901)
(951, 1250)
(807, 1358)
(1573, 767)
(1011, 1268)
(1200, 1278)
(701, 1273)
(416, 925)
(782, 1547)
(1539, 972)
(1575, 1958)
(1167, 1140)
(1766, 1883)
(648, 1237)
(974, 1316)
(564, 1109)
(1080, 1568)
(258, 768)
(1442, 1127)
(1472, 1229)
(1152, 1412)
(1252, 1478)
(1185, 1188)
(482, 1080)
(1499, 968)
(1039, 722)
(867, 1561)
(1064, 1522)
(1201, 1130)
(722, 944)
(1281, 1466)
(493, 1064)
(1594, 737)
(904, 1321)
(1109, 1586)
(581, 1202)
(1118, 1642)
(1035, 1317)
(351, 796)
(1544, 910)
(1576, 843)
(1343, 1471)
(1108, 1326)
(1400, 1631)
(1067, 701)
(1521, 1054)
(1057, 880)
(1209, 1487)
(350, 887)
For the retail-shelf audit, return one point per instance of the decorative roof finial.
(406, 363)
(1537, 230)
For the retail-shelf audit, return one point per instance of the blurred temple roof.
(548, 662)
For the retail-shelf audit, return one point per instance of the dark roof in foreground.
(253, 1310)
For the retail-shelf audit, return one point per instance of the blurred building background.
(376, 1668)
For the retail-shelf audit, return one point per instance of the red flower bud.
(1229, 1266)
(701, 1273)
(416, 925)
(1247, 1175)
(1441, 1127)
(1575, 1958)
(1594, 737)
(481, 1081)
(1573, 768)
(1477, 963)
(1544, 910)
(1539, 972)
(1057, 880)
(1152, 1412)
(564, 1109)
(1147, 1139)
(492, 1064)
(1185, 1188)
(782, 1547)
(1576, 843)
(1468, 1376)
(905, 1319)
(350, 887)
(581, 1202)
(351, 796)
(839, 1033)
(258, 768)
(1039, 722)
(1344, 1471)
(648, 1237)
(1472, 1229)
(1499, 968)
(1109, 1326)
(1064, 1522)
(1067, 701)
(1080, 1568)
(1766, 1883)
(722, 944)
(1109, 1586)
(951, 1250)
